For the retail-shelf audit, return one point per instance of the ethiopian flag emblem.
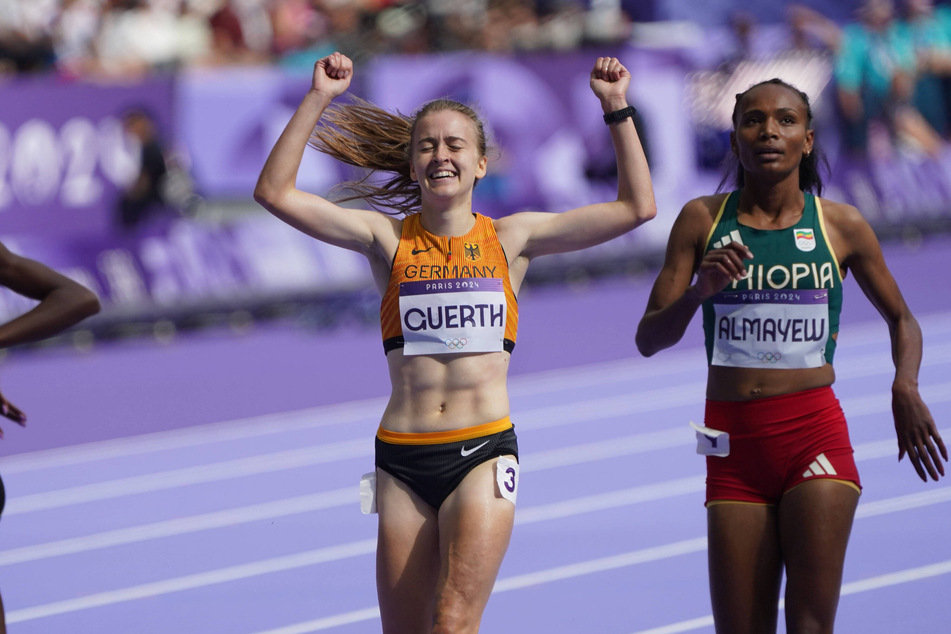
(805, 239)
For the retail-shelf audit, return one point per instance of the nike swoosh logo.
(418, 251)
(466, 452)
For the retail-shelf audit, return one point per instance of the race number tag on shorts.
(711, 442)
(368, 493)
(784, 329)
(455, 315)
(506, 475)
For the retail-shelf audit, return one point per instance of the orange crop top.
(449, 294)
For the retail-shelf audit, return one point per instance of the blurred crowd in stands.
(894, 69)
(878, 73)
(126, 37)
(891, 64)
(889, 68)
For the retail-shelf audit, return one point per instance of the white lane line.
(199, 580)
(588, 411)
(692, 361)
(347, 496)
(367, 546)
(610, 407)
(322, 501)
(216, 472)
(196, 435)
(611, 448)
(181, 526)
(869, 509)
(603, 564)
(666, 551)
(853, 587)
(344, 413)
(880, 363)
(347, 618)
(895, 578)
(322, 454)
(611, 500)
(525, 385)
(904, 502)
(683, 626)
(876, 331)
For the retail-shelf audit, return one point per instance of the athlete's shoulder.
(839, 214)
(408, 227)
(485, 221)
(704, 208)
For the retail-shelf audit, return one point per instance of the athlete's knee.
(810, 621)
(457, 612)
(456, 620)
(810, 627)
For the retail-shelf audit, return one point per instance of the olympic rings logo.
(769, 357)
(456, 344)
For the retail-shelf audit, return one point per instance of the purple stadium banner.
(63, 154)
(177, 267)
(64, 159)
(543, 122)
(230, 118)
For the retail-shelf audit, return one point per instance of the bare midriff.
(745, 384)
(433, 393)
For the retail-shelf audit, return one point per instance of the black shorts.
(433, 470)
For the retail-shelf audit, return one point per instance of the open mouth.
(442, 175)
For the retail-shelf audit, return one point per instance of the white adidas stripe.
(725, 240)
(821, 459)
(820, 466)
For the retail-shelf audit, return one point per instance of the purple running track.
(209, 484)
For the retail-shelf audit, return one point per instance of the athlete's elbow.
(645, 349)
(268, 196)
(645, 345)
(89, 303)
(653, 335)
(640, 211)
(74, 302)
(263, 194)
(648, 212)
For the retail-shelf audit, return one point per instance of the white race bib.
(506, 476)
(777, 329)
(711, 442)
(368, 493)
(455, 315)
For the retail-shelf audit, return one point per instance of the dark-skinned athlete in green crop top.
(766, 263)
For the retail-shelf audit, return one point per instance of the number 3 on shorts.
(506, 476)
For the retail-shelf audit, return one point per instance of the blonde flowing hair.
(364, 135)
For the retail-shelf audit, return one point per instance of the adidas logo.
(725, 240)
(819, 466)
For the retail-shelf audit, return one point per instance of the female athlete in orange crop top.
(449, 277)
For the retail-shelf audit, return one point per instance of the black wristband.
(619, 115)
